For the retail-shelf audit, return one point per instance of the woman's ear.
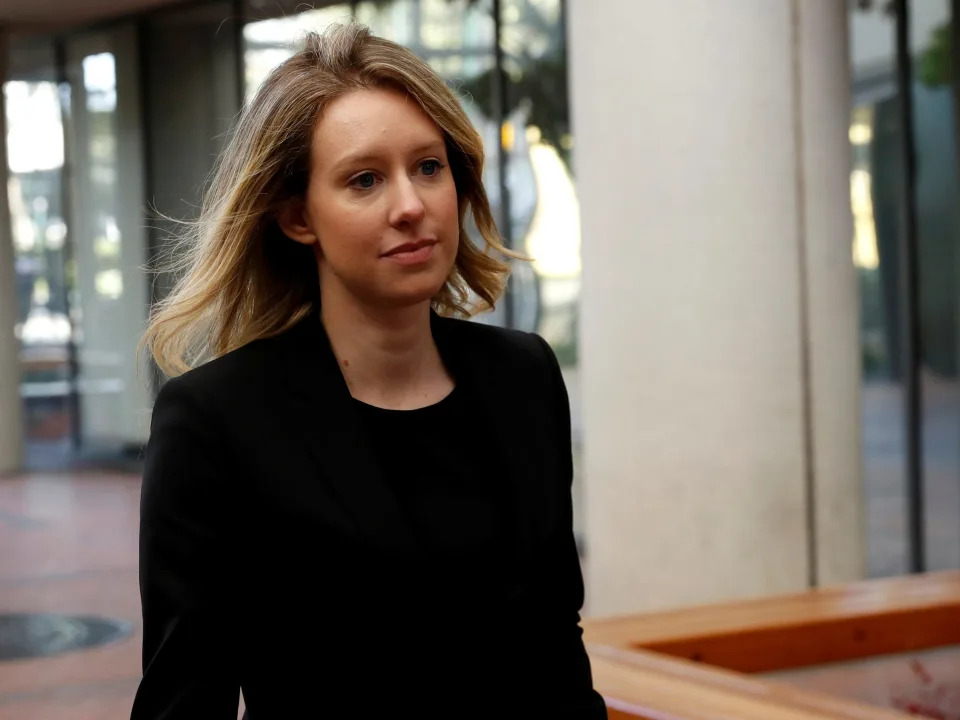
(292, 219)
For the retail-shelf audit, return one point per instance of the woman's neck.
(386, 355)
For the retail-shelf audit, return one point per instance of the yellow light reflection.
(507, 136)
(861, 134)
(553, 240)
(109, 284)
(865, 253)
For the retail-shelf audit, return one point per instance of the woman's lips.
(412, 253)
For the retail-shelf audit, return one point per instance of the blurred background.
(746, 238)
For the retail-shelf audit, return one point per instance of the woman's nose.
(406, 203)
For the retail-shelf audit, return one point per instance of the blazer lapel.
(335, 438)
(502, 426)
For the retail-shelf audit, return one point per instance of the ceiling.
(37, 14)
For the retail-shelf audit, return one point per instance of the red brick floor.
(68, 544)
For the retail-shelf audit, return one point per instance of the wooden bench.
(693, 663)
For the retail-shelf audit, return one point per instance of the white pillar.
(11, 412)
(719, 338)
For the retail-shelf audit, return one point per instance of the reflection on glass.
(875, 185)
(938, 228)
(99, 311)
(35, 161)
(34, 127)
(553, 238)
(100, 92)
(267, 43)
(100, 82)
(397, 20)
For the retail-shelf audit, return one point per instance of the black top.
(447, 484)
(331, 571)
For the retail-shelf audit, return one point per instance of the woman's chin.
(410, 298)
(416, 290)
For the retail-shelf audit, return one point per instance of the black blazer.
(274, 556)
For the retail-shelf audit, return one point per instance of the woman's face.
(381, 205)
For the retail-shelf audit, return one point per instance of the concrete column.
(719, 339)
(11, 410)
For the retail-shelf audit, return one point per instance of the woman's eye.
(430, 167)
(365, 181)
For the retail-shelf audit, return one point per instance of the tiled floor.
(70, 546)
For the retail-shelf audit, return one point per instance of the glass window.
(938, 234)
(545, 219)
(109, 236)
(268, 42)
(397, 20)
(875, 192)
(35, 156)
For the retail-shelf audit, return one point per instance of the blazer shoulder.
(515, 350)
(240, 372)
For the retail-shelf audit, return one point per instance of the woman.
(353, 503)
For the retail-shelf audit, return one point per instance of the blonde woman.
(354, 504)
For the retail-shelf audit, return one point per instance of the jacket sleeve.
(561, 580)
(186, 567)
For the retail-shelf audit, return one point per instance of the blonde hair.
(240, 277)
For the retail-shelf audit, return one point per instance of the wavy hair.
(239, 277)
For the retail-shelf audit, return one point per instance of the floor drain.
(35, 635)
